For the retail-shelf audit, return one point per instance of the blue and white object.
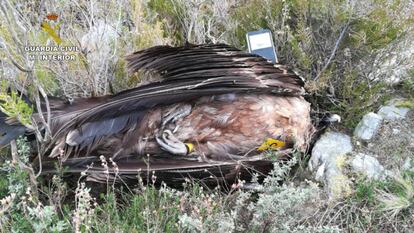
(261, 43)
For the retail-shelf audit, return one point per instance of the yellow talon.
(271, 144)
(190, 147)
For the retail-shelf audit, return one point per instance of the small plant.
(399, 196)
(365, 190)
(84, 209)
(15, 107)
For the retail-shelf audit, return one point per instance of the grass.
(281, 205)
(151, 210)
(399, 197)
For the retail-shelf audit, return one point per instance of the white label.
(260, 41)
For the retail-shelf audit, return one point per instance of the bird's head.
(328, 120)
(331, 118)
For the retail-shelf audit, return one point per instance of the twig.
(338, 42)
(48, 114)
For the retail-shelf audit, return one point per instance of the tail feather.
(9, 132)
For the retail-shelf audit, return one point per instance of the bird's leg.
(166, 139)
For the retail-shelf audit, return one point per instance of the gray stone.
(407, 164)
(368, 126)
(392, 112)
(327, 160)
(368, 166)
(328, 147)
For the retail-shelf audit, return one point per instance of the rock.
(407, 164)
(391, 112)
(396, 131)
(327, 161)
(368, 126)
(368, 166)
(330, 146)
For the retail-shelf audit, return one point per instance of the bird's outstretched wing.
(187, 73)
(171, 171)
(206, 62)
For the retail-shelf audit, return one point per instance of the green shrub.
(15, 107)
(21, 211)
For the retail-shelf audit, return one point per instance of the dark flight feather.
(167, 169)
(9, 132)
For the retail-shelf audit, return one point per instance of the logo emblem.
(52, 31)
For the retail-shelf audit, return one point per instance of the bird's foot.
(168, 142)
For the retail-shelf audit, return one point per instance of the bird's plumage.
(222, 100)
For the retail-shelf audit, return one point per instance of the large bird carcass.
(211, 112)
